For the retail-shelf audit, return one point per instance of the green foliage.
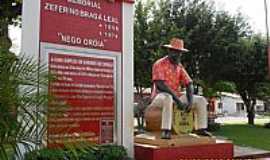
(214, 90)
(263, 90)
(248, 69)
(10, 10)
(46, 154)
(223, 86)
(143, 57)
(109, 152)
(85, 152)
(22, 94)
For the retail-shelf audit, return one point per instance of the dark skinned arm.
(162, 87)
(189, 94)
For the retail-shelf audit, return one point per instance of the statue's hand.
(188, 107)
(181, 106)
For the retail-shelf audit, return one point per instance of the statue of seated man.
(167, 75)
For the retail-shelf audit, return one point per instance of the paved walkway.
(240, 151)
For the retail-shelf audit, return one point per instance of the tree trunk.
(251, 111)
(251, 116)
(250, 103)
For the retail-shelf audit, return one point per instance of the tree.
(263, 91)
(142, 55)
(10, 11)
(244, 63)
(249, 71)
(223, 48)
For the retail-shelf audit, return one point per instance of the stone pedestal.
(176, 140)
(151, 147)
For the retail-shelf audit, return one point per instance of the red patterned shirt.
(172, 75)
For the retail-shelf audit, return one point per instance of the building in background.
(232, 104)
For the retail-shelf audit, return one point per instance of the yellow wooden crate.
(183, 122)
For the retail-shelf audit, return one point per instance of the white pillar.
(30, 28)
(127, 68)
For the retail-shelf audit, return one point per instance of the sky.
(15, 36)
(252, 9)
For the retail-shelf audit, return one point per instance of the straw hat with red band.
(176, 44)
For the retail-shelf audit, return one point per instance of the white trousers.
(165, 102)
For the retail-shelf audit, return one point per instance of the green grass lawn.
(246, 135)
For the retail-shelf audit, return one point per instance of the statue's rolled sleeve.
(184, 77)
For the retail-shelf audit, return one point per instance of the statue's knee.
(168, 97)
(201, 99)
